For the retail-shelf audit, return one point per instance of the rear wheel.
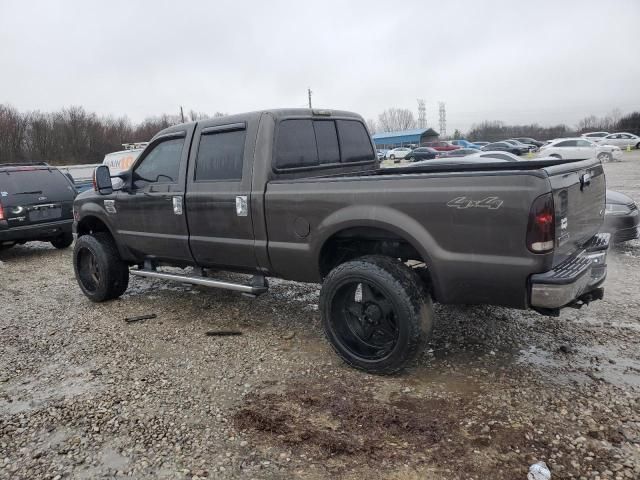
(376, 313)
(100, 272)
(63, 241)
(604, 157)
(412, 159)
(638, 146)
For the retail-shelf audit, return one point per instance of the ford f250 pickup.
(298, 194)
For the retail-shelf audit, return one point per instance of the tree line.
(73, 135)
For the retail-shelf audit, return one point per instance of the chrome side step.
(258, 287)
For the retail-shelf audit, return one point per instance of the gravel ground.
(84, 394)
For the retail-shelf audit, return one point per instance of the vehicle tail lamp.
(1, 211)
(542, 225)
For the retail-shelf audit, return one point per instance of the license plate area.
(44, 212)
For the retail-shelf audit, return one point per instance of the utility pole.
(309, 94)
(181, 114)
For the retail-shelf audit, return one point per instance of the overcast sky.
(520, 62)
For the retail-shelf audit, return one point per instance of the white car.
(579, 149)
(621, 140)
(399, 152)
(594, 136)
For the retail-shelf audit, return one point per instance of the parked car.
(461, 152)
(441, 146)
(497, 155)
(422, 153)
(465, 144)
(579, 149)
(270, 194)
(594, 136)
(622, 140)
(398, 153)
(621, 217)
(529, 141)
(502, 147)
(381, 153)
(524, 148)
(481, 144)
(36, 203)
(80, 175)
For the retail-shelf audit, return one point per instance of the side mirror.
(102, 180)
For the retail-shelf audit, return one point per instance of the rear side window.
(355, 142)
(566, 143)
(220, 156)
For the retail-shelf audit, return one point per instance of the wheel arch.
(392, 233)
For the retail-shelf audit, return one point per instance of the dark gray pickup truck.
(298, 194)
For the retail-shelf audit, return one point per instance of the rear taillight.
(541, 230)
(1, 212)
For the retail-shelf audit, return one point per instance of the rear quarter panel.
(470, 228)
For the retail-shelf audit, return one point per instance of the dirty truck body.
(297, 194)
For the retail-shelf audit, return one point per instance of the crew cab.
(36, 202)
(298, 194)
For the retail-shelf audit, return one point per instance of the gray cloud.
(544, 61)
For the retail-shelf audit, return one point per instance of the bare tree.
(372, 126)
(394, 119)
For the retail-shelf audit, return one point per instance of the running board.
(260, 283)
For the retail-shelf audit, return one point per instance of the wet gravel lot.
(83, 394)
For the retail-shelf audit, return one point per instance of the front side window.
(161, 165)
(220, 156)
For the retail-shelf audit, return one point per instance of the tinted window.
(566, 143)
(583, 143)
(355, 142)
(29, 183)
(327, 142)
(161, 165)
(220, 156)
(296, 144)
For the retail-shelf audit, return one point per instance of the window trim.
(323, 166)
(229, 127)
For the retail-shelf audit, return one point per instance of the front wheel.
(376, 313)
(604, 157)
(63, 241)
(100, 272)
(638, 146)
(392, 157)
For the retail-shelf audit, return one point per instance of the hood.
(617, 198)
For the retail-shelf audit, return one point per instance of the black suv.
(36, 203)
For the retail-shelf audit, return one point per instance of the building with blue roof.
(416, 136)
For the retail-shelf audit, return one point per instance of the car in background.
(524, 148)
(465, 144)
(497, 155)
(579, 149)
(36, 204)
(502, 147)
(461, 152)
(594, 136)
(622, 140)
(380, 153)
(529, 141)
(422, 153)
(399, 152)
(80, 175)
(621, 217)
(481, 144)
(441, 146)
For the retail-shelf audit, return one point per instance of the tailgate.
(579, 192)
